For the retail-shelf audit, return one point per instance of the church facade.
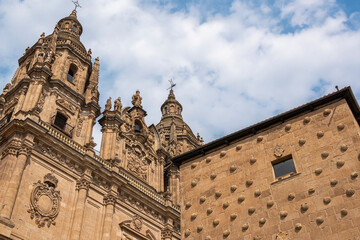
(294, 176)
(53, 184)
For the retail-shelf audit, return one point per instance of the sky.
(234, 62)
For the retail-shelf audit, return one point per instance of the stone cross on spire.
(172, 84)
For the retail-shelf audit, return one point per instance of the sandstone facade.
(53, 185)
(229, 189)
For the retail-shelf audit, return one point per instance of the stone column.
(82, 185)
(174, 183)
(14, 183)
(109, 201)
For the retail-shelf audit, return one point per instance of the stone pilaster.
(109, 202)
(82, 186)
(14, 182)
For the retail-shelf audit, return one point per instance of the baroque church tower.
(53, 184)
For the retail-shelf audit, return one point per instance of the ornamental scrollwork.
(137, 222)
(45, 201)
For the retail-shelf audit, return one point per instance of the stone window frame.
(288, 174)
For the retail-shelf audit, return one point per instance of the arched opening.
(178, 110)
(71, 73)
(74, 28)
(165, 110)
(137, 126)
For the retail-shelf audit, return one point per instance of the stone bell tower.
(56, 84)
(176, 136)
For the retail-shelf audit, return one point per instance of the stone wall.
(232, 192)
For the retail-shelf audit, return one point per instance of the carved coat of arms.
(45, 201)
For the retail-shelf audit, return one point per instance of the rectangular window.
(284, 167)
(60, 121)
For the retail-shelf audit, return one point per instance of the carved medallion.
(45, 201)
(137, 222)
(278, 151)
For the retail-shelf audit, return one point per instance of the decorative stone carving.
(320, 134)
(187, 232)
(109, 199)
(233, 188)
(249, 183)
(226, 233)
(311, 190)
(233, 216)
(241, 199)
(327, 112)
(298, 227)
(324, 155)
(137, 164)
(137, 222)
(218, 194)
(193, 216)
(117, 105)
(259, 138)
(302, 142)
(193, 183)
(209, 211)
(251, 210)
(188, 205)
(262, 221)
(238, 147)
(343, 212)
(319, 220)
(257, 193)
(225, 205)
(340, 163)
(213, 176)
(199, 228)
(79, 126)
(343, 148)
(318, 171)
(82, 184)
(202, 199)
(287, 127)
(222, 153)
(270, 203)
(136, 99)
(208, 160)
(283, 214)
(306, 120)
(245, 227)
(252, 161)
(354, 175)
(304, 207)
(327, 200)
(66, 105)
(333, 182)
(340, 127)
(216, 222)
(233, 168)
(108, 104)
(282, 236)
(45, 201)
(278, 151)
(350, 192)
(194, 165)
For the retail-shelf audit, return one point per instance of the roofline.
(345, 93)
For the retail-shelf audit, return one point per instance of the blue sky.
(235, 62)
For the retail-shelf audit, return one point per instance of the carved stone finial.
(136, 99)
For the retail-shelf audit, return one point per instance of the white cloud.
(231, 70)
